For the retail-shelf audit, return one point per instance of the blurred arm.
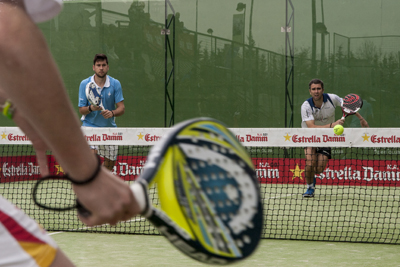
(30, 78)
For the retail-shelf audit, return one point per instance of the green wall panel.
(352, 45)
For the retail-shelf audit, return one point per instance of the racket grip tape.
(139, 191)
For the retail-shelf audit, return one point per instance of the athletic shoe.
(309, 192)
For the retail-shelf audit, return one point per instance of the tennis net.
(356, 200)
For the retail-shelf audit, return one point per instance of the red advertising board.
(269, 170)
(19, 168)
(23, 168)
(337, 172)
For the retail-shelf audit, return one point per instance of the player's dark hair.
(316, 81)
(100, 57)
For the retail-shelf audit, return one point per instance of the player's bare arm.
(363, 122)
(38, 143)
(53, 118)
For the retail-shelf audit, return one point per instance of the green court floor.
(116, 250)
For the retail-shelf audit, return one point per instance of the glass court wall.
(229, 58)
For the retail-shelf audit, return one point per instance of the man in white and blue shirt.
(323, 114)
(112, 100)
(319, 112)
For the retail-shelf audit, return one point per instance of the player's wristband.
(112, 113)
(90, 109)
(8, 109)
(91, 178)
(330, 126)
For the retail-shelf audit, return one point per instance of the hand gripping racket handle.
(139, 190)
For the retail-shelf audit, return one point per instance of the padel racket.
(209, 203)
(93, 95)
(351, 104)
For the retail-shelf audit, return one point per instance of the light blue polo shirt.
(111, 94)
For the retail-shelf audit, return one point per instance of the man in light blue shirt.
(112, 100)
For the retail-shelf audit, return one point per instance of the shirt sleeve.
(83, 101)
(118, 92)
(306, 112)
(336, 100)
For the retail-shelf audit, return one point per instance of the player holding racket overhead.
(100, 101)
(319, 112)
(33, 95)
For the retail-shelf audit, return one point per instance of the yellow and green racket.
(210, 206)
(209, 203)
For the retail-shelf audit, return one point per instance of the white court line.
(287, 195)
(61, 232)
(55, 233)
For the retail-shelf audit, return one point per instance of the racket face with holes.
(209, 199)
(92, 94)
(351, 104)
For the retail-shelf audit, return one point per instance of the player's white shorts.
(107, 151)
(22, 241)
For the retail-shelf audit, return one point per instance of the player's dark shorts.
(324, 151)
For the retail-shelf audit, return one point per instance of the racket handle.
(82, 210)
(139, 191)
